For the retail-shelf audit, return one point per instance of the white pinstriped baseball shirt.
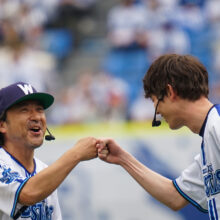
(13, 177)
(200, 182)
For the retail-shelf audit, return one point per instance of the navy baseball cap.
(21, 91)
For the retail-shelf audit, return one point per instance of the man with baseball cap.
(27, 185)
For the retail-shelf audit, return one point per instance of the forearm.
(160, 187)
(45, 182)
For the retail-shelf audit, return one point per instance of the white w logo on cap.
(26, 88)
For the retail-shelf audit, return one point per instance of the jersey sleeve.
(190, 185)
(11, 184)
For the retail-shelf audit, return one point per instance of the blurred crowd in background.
(92, 54)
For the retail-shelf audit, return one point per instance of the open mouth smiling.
(35, 130)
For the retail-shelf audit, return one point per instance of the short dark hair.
(2, 118)
(185, 73)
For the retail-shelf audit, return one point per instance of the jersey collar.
(26, 171)
(202, 130)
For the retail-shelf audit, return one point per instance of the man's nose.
(35, 115)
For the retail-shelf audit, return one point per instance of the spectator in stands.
(111, 103)
(157, 12)
(127, 37)
(126, 25)
(78, 16)
(94, 97)
(168, 38)
(141, 109)
(20, 62)
(189, 16)
(212, 16)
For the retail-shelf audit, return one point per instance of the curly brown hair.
(185, 73)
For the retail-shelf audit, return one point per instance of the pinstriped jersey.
(13, 177)
(200, 182)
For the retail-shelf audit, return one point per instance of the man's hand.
(109, 151)
(86, 149)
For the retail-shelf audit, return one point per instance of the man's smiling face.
(26, 123)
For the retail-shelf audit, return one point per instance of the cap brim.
(44, 98)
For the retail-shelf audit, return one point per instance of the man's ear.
(171, 93)
(2, 127)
